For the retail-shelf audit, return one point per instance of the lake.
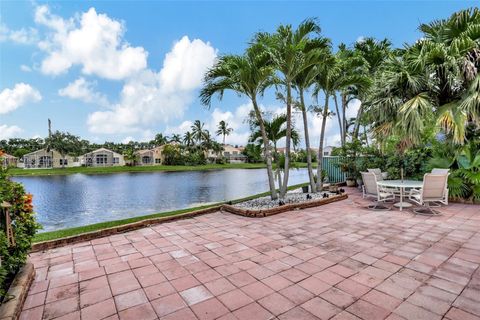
(64, 201)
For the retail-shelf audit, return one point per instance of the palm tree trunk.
(266, 150)
(283, 190)
(340, 119)
(307, 144)
(356, 128)
(320, 147)
(344, 117)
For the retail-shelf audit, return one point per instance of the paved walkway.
(337, 261)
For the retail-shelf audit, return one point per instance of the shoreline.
(18, 172)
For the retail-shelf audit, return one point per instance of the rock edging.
(18, 291)
(287, 207)
(50, 244)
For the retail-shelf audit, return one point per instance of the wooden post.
(8, 224)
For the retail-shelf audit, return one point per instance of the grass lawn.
(51, 235)
(104, 170)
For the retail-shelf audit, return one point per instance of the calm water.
(79, 199)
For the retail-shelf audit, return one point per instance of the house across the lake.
(102, 157)
(234, 154)
(144, 157)
(47, 159)
(7, 160)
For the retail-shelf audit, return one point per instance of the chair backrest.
(434, 186)
(370, 183)
(440, 171)
(377, 172)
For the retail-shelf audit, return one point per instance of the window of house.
(63, 162)
(146, 159)
(326, 153)
(116, 160)
(158, 160)
(235, 152)
(101, 159)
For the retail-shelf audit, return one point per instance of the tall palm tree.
(302, 82)
(249, 75)
(223, 130)
(188, 139)
(330, 79)
(288, 53)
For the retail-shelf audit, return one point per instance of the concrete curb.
(288, 207)
(18, 290)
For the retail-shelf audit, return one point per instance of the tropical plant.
(198, 131)
(248, 75)
(188, 139)
(276, 130)
(24, 228)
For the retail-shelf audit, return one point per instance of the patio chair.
(372, 190)
(443, 171)
(378, 173)
(433, 191)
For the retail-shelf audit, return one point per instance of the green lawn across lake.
(102, 170)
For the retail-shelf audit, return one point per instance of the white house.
(102, 157)
(234, 154)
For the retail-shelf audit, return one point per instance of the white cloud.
(360, 39)
(21, 36)
(93, 41)
(128, 139)
(352, 109)
(11, 99)
(25, 68)
(7, 132)
(83, 90)
(180, 129)
(150, 97)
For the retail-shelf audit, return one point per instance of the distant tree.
(130, 156)
(65, 143)
(159, 140)
(223, 130)
(176, 138)
(198, 131)
(188, 139)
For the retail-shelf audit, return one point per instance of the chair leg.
(378, 206)
(426, 210)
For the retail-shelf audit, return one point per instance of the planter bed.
(263, 207)
(17, 293)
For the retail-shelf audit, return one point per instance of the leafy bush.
(24, 228)
(301, 156)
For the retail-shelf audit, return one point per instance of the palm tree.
(159, 140)
(276, 130)
(302, 82)
(248, 75)
(198, 131)
(432, 85)
(290, 55)
(331, 78)
(223, 130)
(188, 139)
(176, 138)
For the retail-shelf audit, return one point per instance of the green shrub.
(24, 228)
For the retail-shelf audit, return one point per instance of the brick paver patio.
(336, 261)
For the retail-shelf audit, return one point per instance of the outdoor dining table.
(401, 185)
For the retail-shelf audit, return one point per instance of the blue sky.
(120, 70)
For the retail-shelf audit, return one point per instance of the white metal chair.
(372, 190)
(443, 172)
(433, 191)
(378, 173)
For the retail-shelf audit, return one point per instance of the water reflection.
(76, 200)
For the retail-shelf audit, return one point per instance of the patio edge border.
(50, 244)
(288, 207)
(11, 309)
